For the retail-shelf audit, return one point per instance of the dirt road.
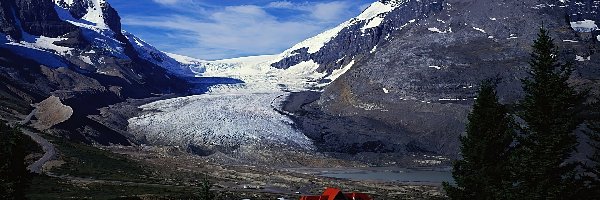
(49, 152)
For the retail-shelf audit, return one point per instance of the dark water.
(433, 176)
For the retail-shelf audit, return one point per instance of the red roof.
(336, 194)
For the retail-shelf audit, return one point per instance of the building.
(336, 194)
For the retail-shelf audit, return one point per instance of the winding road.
(49, 152)
(47, 147)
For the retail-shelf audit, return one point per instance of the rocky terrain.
(51, 112)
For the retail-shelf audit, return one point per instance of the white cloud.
(235, 30)
(166, 2)
(232, 31)
(281, 4)
(323, 12)
(329, 11)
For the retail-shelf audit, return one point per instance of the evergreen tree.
(483, 173)
(548, 139)
(13, 172)
(594, 168)
(205, 193)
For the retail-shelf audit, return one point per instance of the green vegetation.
(537, 160)
(484, 171)
(548, 139)
(89, 162)
(92, 173)
(205, 193)
(44, 187)
(14, 178)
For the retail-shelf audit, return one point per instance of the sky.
(218, 29)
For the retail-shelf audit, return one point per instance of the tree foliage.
(549, 110)
(13, 172)
(533, 164)
(594, 167)
(205, 192)
(483, 172)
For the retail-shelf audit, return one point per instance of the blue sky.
(216, 29)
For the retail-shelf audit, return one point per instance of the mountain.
(401, 77)
(415, 75)
(76, 50)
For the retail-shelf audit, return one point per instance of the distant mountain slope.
(421, 81)
(406, 71)
(76, 50)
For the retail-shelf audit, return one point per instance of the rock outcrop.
(51, 112)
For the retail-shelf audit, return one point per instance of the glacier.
(243, 115)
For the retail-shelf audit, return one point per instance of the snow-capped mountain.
(77, 50)
(422, 76)
(398, 78)
(404, 72)
(316, 61)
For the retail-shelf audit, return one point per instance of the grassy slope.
(120, 177)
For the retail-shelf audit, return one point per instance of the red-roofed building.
(336, 194)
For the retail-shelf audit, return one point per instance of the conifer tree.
(205, 192)
(594, 167)
(483, 172)
(13, 172)
(548, 139)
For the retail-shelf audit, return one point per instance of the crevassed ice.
(219, 119)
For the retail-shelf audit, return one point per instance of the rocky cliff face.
(8, 24)
(412, 78)
(40, 19)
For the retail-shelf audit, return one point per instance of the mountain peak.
(97, 13)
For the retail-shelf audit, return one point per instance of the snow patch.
(39, 48)
(374, 10)
(86, 59)
(582, 59)
(385, 90)
(584, 26)
(435, 67)
(338, 72)
(434, 29)
(374, 49)
(479, 29)
(375, 22)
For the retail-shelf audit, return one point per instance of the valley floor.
(144, 172)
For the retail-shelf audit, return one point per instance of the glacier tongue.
(223, 120)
